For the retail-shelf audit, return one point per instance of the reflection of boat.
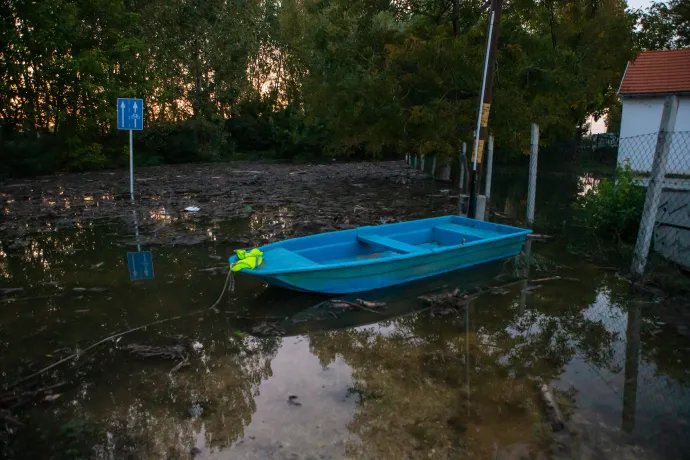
(375, 257)
(295, 313)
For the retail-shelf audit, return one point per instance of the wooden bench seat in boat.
(467, 230)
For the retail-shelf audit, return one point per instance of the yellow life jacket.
(250, 260)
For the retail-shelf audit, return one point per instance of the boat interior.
(384, 241)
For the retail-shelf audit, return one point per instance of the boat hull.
(385, 271)
(386, 274)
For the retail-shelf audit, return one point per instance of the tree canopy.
(304, 77)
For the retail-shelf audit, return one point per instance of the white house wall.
(640, 124)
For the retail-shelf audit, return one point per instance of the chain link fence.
(660, 163)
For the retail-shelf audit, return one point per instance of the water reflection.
(403, 383)
(632, 360)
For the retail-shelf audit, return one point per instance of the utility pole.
(486, 97)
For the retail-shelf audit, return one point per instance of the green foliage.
(664, 25)
(394, 75)
(613, 208)
(84, 157)
(28, 155)
(191, 140)
(302, 77)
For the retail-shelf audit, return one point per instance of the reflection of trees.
(665, 346)
(215, 401)
(212, 401)
(138, 410)
(413, 382)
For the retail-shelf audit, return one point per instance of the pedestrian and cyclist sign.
(130, 114)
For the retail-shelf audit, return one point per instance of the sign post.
(130, 116)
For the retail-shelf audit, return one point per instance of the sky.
(639, 3)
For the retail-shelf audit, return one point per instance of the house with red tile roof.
(647, 81)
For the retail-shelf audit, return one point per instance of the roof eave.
(623, 79)
(669, 93)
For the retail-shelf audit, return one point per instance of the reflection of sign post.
(140, 265)
(130, 116)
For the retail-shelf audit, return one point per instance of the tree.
(665, 25)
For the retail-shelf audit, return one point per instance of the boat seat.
(390, 243)
(466, 230)
(281, 259)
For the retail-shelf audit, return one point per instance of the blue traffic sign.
(140, 265)
(130, 114)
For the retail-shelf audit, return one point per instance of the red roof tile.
(662, 71)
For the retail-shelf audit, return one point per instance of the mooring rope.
(229, 281)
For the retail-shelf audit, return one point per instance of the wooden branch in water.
(357, 305)
(184, 362)
(538, 236)
(554, 278)
(5, 415)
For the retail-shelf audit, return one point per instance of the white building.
(646, 82)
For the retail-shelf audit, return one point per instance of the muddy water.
(274, 375)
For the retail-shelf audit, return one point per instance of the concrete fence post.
(532, 188)
(445, 172)
(489, 167)
(656, 185)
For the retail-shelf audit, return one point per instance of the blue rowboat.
(374, 257)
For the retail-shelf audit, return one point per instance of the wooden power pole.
(482, 132)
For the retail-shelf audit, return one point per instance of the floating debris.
(268, 330)
(358, 304)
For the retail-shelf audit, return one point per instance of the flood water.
(273, 375)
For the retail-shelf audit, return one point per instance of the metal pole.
(489, 167)
(462, 166)
(656, 184)
(136, 229)
(532, 188)
(131, 165)
(481, 97)
(485, 102)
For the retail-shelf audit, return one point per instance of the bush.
(28, 156)
(613, 208)
(85, 157)
(191, 140)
